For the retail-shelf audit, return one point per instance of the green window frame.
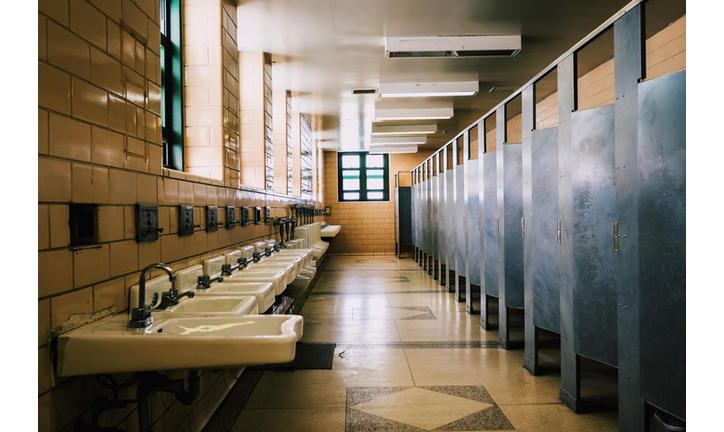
(171, 85)
(362, 176)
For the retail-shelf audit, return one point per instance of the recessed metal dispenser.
(147, 229)
(186, 220)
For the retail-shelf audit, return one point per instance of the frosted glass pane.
(375, 161)
(350, 184)
(375, 183)
(374, 195)
(350, 174)
(351, 195)
(350, 161)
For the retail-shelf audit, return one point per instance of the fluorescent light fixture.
(399, 140)
(378, 130)
(452, 46)
(429, 89)
(414, 114)
(393, 149)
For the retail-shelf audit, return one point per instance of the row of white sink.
(218, 327)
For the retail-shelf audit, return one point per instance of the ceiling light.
(414, 114)
(452, 46)
(429, 89)
(404, 129)
(398, 140)
(393, 149)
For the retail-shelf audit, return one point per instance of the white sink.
(263, 292)
(288, 268)
(297, 261)
(216, 305)
(108, 346)
(277, 278)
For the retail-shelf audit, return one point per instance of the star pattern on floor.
(441, 408)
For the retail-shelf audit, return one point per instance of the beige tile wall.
(251, 69)
(367, 228)
(280, 140)
(99, 142)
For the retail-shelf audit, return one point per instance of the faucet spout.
(141, 316)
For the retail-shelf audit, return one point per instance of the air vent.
(503, 89)
(452, 46)
(363, 91)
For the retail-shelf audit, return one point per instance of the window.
(171, 85)
(363, 177)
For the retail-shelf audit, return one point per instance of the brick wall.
(99, 142)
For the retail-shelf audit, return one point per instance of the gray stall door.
(491, 228)
(474, 247)
(662, 241)
(594, 211)
(461, 212)
(450, 222)
(544, 269)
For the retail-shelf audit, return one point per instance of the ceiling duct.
(362, 91)
(503, 89)
(452, 46)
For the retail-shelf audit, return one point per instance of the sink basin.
(288, 269)
(277, 278)
(216, 305)
(108, 346)
(296, 261)
(263, 292)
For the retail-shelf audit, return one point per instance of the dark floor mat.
(308, 356)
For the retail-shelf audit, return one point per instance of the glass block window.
(363, 177)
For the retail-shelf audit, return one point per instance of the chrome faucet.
(141, 315)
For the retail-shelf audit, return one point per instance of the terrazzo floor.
(409, 358)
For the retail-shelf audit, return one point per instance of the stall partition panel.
(662, 241)
(545, 265)
(594, 213)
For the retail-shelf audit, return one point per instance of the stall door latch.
(615, 237)
(558, 232)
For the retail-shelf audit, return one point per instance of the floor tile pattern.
(404, 343)
(439, 408)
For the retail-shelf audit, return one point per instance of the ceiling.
(322, 49)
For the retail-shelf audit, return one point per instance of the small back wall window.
(363, 177)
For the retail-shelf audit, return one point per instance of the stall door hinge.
(522, 227)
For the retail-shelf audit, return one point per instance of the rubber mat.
(308, 356)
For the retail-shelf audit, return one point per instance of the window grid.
(362, 177)
(171, 86)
